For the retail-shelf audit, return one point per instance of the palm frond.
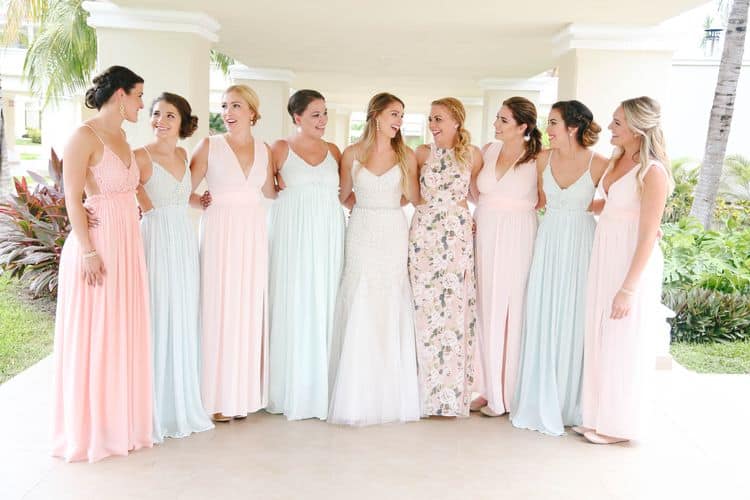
(20, 11)
(221, 61)
(63, 54)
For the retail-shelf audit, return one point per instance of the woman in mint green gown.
(171, 249)
(306, 260)
(548, 388)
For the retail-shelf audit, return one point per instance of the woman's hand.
(350, 201)
(621, 304)
(93, 269)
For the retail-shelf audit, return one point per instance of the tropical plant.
(216, 124)
(700, 258)
(221, 61)
(735, 183)
(62, 55)
(685, 177)
(721, 113)
(708, 315)
(34, 224)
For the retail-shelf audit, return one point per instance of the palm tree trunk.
(721, 114)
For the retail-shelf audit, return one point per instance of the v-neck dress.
(101, 403)
(506, 229)
(548, 389)
(234, 284)
(619, 353)
(171, 247)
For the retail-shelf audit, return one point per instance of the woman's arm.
(77, 158)
(146, 167)
(345, 174)
(541, 163)
(269, 186)
(198, 169)
(653, 200)
(422, 154)
(477, 162)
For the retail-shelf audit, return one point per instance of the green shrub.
(714, 260)
(708, 315)
(216, 124)
(34, 134)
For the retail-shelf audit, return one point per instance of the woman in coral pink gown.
(102, 390)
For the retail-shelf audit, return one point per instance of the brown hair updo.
(575, 114)
(188, 121)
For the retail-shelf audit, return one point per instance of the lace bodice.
(442, 180)
(576, 197)
(112, 176)
(377, 191)
(164, 190)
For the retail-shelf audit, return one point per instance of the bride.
(372, 354)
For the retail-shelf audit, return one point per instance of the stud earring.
(527, 138)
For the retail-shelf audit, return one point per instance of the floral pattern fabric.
(441, 270)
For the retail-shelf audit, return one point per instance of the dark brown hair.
(300, 100)
(576, 114)
(107, 83)
(188, 121)
(524, 113)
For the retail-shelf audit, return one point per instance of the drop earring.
(377, 125)
(122, 111)
(527, 138)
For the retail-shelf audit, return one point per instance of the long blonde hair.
(643, 117)
(462, 148)
(377, 104)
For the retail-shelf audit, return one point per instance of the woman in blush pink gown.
(623, 305)
(102, 389)
(506, 228)
(234, 261)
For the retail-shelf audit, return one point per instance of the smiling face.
(559, 134)
(236, 112)
(622, 136)
(389, 120)
(442, 124)
(506, 127)
(165, 120)
(313, 119)
(132, 102)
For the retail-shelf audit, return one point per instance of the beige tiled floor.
(698, 448)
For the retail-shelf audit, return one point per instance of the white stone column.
(272, 87)
(474, 119)
(9, 115)
(604, 65)
(169, 49)
(337, 130)
(496, 90)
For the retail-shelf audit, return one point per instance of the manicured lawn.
(29, 156)
(733, 357)
(26, 329)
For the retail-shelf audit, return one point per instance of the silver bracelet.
(627, 291)
(90, 254)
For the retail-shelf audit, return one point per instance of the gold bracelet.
(627, 291)
(90, 254)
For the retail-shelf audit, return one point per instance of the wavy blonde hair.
(462, 148)
(377, 105)
(643, 117)
(249, 96)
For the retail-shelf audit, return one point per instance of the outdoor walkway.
(698, 449)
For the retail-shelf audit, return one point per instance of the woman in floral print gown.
(441, 264)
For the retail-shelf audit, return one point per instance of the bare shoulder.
(182, 153)
(280, 145)
(334, 150)
(542, 159)
(656, 173)
(142, 158)
(475, 150)
(422, 152)
(486, 147)
(350, 153)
